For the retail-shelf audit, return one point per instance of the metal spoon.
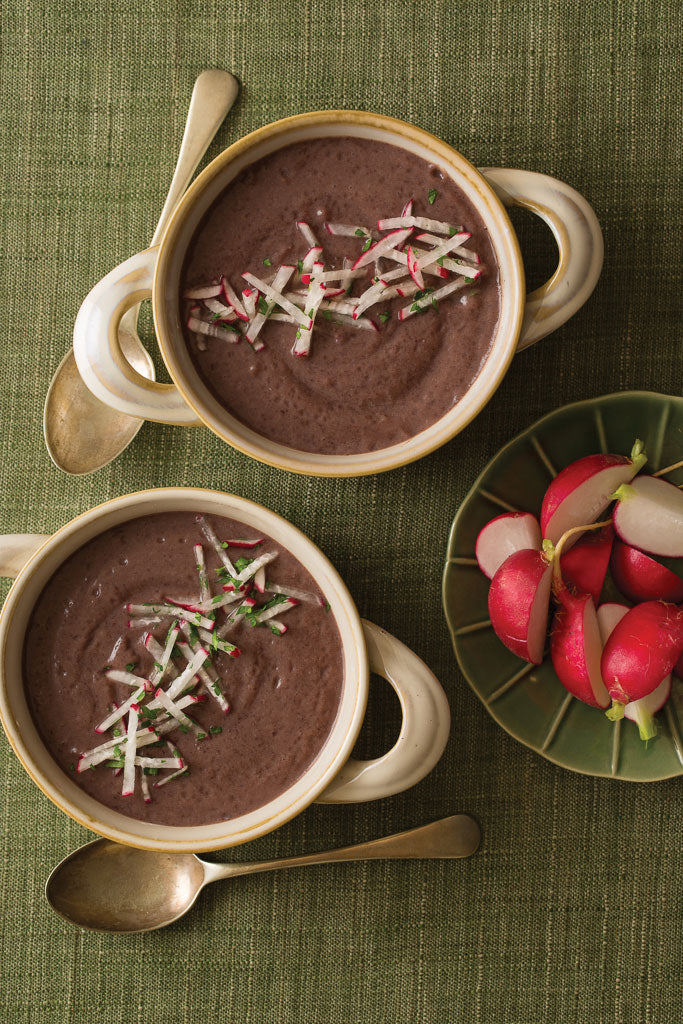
(81, 433)
(113, 888)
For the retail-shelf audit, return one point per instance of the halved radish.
(585, 565)
(500, 538)
(639, 711)
(641, 650)
(641, 578)
(581, 492)
(649, 516)
(576, 647)
(519, 597)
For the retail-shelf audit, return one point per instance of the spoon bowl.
(112, 888)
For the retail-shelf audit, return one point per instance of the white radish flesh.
(502, 536)
(649, 516)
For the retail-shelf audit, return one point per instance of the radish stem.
(555, 556)
(616, 711)
(669, 469)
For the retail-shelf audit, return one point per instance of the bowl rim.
(448, 566)
(356, 674)
(481, 390)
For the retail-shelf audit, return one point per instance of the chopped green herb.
(299, 265)
(384, 317)
(106, 668)
(201, 735)
(215, 729)
(117, 732)
(327, 606)
(151, 771)
(231, 327)
(242, 563)
(473, 291)
(440, 260)
(275, 631)
(183, 728)
(431, 196)
(361, 234)
(267, 262)
(366, 244)
(262, 305)
(216, 688)
(72, 767)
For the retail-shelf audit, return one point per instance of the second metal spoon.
(113, 888)
(81, 433)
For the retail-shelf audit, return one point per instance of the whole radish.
(649, 516)
(519, 597)
(502, 536)
(642, 649)
(641, 578)
(642, 711)
(584, 566)
(581, 492)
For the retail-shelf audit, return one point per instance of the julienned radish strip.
(129, 758)
(91, 758)
(175, 712)
(253, 567)
(279, 282)
(158, 653)
(128, 678)
(169, 609)
(414, 268)
(218, 644)
(348, 230)
(220, 310)
(390, 241)
(232, 300)
(345, 274)
(228, 597)
(184, 679)
(306, 231)
(234, 617)
(428, 300)
(277, 298)
(259, 580)
(209, 680)
(212, 330)
(407, 209)
(208, 532)
(121, 710)
(439, 227)
(204, 588)
(169, 778)
(467, 254)
(209, 291)
(276, 609)
(249, 298)
(315, 295)
(400, 257)
(299, 595)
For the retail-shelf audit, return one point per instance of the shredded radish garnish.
(299, 595)
(212, 330)
(468, 254)
(414, 268)
(407, 209)
(220, 310)
(121, 710)
(208, 532)
(144, 785)
(277, 298)
(277, 627)
(127, 677)
(169, 778)
(129, 757)
(158, 653)
(209, 291)
(145, 620)
(249, 297)
(254, 566)
(309, 261)
(427, 300)
(260, 580)
(244, 542)
(173, 710)
(302, 341)
(161, 664)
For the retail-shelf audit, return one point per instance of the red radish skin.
(584, 566)
(649, 516)
(642, 711)
(678, 667)
(502, 536)
(641, 578)
(576, 647)
(641, 650)
(519, 597)
(581, 492)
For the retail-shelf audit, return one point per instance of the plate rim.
(448, 567)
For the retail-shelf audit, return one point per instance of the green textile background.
(573, 909)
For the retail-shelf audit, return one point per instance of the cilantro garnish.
(367, 244)
(361, 234)
(267, 262)
(384, 317)
(262, 305)
(431, 196)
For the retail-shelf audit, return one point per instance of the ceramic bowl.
(528, 701)
(157, 272)
(333, 777)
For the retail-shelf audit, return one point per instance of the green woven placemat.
(572, 910)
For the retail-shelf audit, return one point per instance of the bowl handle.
(16, 549)
(579, 239)
(97, 348)
(424, 730)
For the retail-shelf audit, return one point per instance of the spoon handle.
(457, 836)
(212, 97)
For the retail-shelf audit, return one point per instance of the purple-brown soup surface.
(357, 390)
(283, 690)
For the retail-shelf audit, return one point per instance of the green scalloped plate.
(528, 701)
